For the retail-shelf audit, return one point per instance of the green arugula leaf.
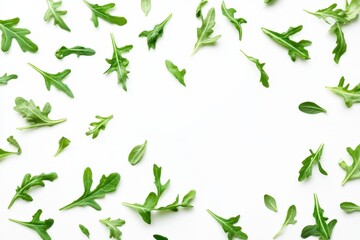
(107, 184)
(349, 207)
(159, 237)
(264, 78)
(229, 13)
(290, 219)
(102, 12)
(12, 141)
(309, 162)
(311, 108)
(153, 35)
(205, 31)
(352, 171)
(84, 230)
(78, 50)
(40, 227)
(352, 9)
(34, 115)
(198, 12)
(146, 6)
(98, 126)
(350, 96)
(296, 49)
(174, 70)
(4, 79)
(341, 45)
(137, 153)
(54, 13)
(118, 63)
(29, 182)
(338, 15)
(229, 227)
(113, 227)
(270, 202)
(63, 143)
(321, 229)
(55, 80)
(185, 203)
(9, 32)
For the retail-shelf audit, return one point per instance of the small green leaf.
(146, 6)
(98, 126)
(54, 13)
(309, 162)
(341, 45)
(12, 141)
(4, 79)
(78, 50)
(350, 96)
(264, 78)
(102, 12)
(159, 237)
(174, 70)
(185, 203)
(113, 227)
(63, 143)
(311, 108)
(153, 35)
(349, 207)
(229, 13)
(353, 170)
(270, 202)
(84, 230)
(290, 219)
(137, 153)
(198, 12)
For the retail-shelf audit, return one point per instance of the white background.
(224, 135)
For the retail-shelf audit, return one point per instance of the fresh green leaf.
(107, 184)
(118, 63)
(32, 113)
(198, 12)
(174, 70)
(78, 50)
(40, 227)
(311, 108)
(338, 15)
(145, 209)
(341, 45)
(350, 96)
(137, 153)
(102, 12)
(113, 227)
(229, 227)
(55, 80)
(84, 230)
(229, 13)
(349, 207)
(30, 182)
(54, 13)
(159, 237)
(146, 6)
(98, 126)
(12, 141)
(309, 162)
(185, 203)
(9, 32)
(290, 219)
(264, 78)
(4, 79)
(153, 35)
(352, 171)
(352, 9)
(270, 202)
(296, 49)
(63, 143)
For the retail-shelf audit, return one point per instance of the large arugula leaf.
(39, 226)
(309, 162)
(341, 45)
(6, 78)
(289, 219)
(12, 141)
(55, 80)
(113, 227)
(102, 12)
(174, 70)
(63, 143)
(153, 35)
(146, 6)
(98, 126)
(353, 170)
(229, 13)
(107, 184)
(9, 32)
(264, 78)
(30, 182)
(350, 96)
(78, 50)
(54, 13)
(296, 49)
(32, 113)
(118, 63)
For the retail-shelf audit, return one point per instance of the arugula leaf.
(12, 141)
(102, 12)
(118, 63)
(29, 182)
(34, 115)
(137, 153)
(159, 237)
(174, 70)
(84, 230)
(40, 227)
(113, 227)
(321, 229)
(309, 162)
(229, 13)
(185, 203)
(264, 78)
(341, 45)
(198, 12)
(56, 14)
(98, 126)
(204, 32)
(228, 226)
(9, 32)
(349, 207)
(107, 184)
(55, 80)
(352, 171)
(270, 202)
(338, 15)
(311, 108)
(290, 219)
(350, 96)
(4, 79)
(146, 6)
(63, 143)
(352, 9)
(153, 35)
(78, 50)
(296, 49)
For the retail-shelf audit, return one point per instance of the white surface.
(224, 135)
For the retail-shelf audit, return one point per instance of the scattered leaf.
(63, 143)
(311, 108)
(174, 70)
(290, 219)
(78, 50)
(270, 202)
(153, 35)
(137, 153)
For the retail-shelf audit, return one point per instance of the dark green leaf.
(270, 202)
(78, 50)
(352, 171)
(264, 78)
(4, 79)
(84, 230)
(54, 13)
(349, 207)
(98, 126)
(309, 162)
(102, 12)
(229, 13)
(350, 96)
(12, 141)
(290, 219)
(159, 237)
(63, 143)
(311, 108)
(153, 35)
(137, 153)
(146, 6)
(113, 227)
(174, 70)
(341, 45)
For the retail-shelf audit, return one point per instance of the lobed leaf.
(153, 35)
(54, 13)
(264, 78)
(229, 13)
(102, 12)
(78, 50)
(309, 162)
(350, 96)
(113, 225)
(174, 70)
(6, 78)
(12, 141)
(352, 171)
(98, 126)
